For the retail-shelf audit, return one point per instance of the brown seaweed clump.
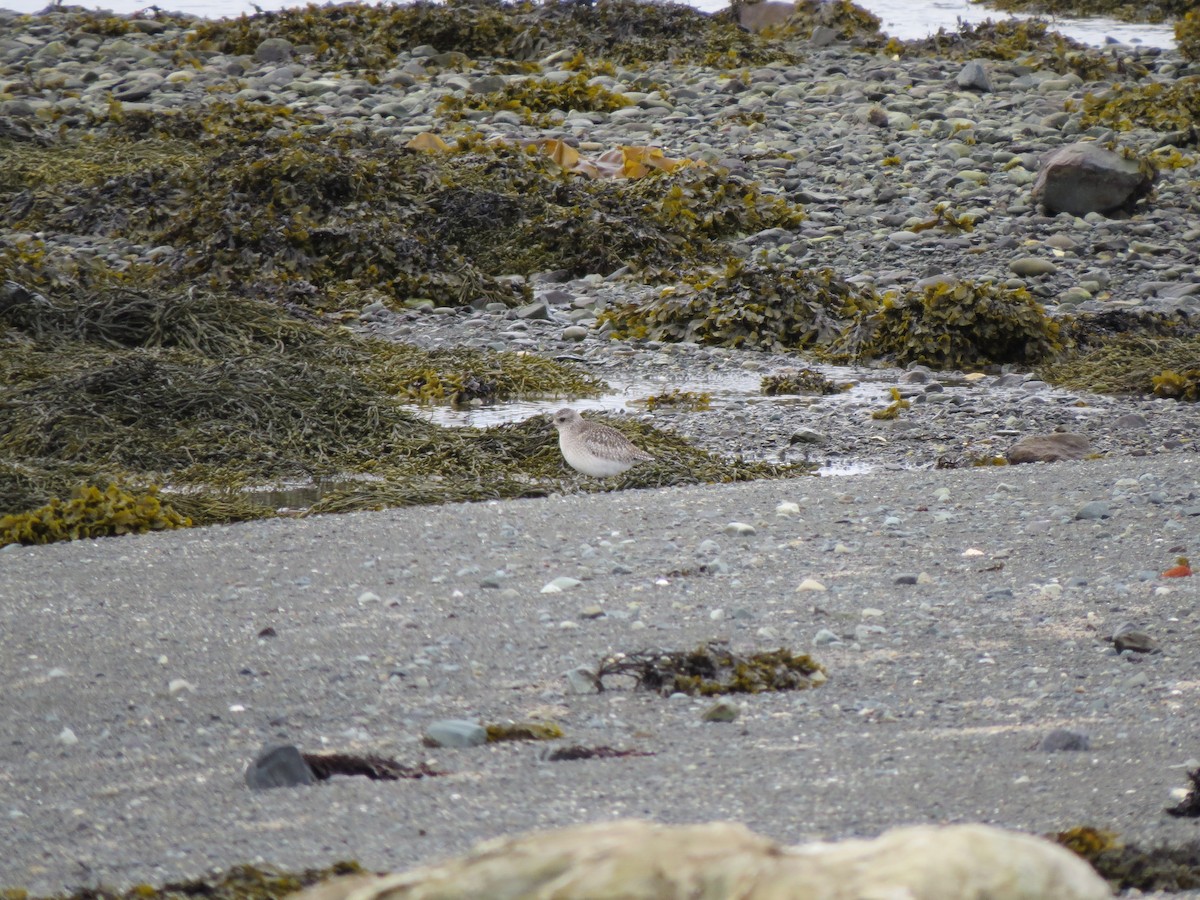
(713, 669)
(1127, 867)
(1114, 9)
(957, 326)
(1130, 353)
(239, 883)
(1030, 40)
(746, 305)
(1187, 35)
(362, 36)
(1154, 105)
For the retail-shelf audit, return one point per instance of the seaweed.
(1157, 106)
(802, 381)
(1187, 35)
(957, 325)
(1127, 867)
(359, 36)
(1115, 9)
(1032, 40)
(677, 399)
(747, 304)
(91, 513)
(523, 731)
(711, 669)
(1131, 363)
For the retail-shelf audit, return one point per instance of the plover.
(595, 449)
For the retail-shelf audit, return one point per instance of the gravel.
(942, 687)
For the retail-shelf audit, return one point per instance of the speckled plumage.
(595, 449)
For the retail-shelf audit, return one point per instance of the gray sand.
(386, 622)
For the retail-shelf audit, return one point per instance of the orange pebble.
(1178, 572)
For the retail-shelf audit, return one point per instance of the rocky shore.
(875, 142)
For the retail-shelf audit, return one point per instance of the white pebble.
(810, 584)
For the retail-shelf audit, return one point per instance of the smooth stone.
(1029, 265)
(1054, 447)
(724, 710)
(455, 733)
(1096, 509)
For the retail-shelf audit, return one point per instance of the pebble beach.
(962, 615)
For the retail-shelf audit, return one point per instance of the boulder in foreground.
(645, 861)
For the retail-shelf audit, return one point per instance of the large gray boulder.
(638, 860)
(1056, 447)
(1083, 178)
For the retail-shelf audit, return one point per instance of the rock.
(1061, 739)
(582, 680)
(724, 710)
(538, 309)
(643, 860)
(807, 436)
(1031, 265)
(974, 77)
(274, 50)
(825, 638)
(1083, 178)
(455, 733)
(1131, 421)
(757, 16)
(1096, 509)
(823, 36)
(1128, 637)
(1054, 447)
(281, 766)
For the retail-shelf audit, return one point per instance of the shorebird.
(595, 449)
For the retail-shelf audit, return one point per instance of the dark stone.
(974, 77)
(1084, 178)
(282, 766)
(1060, 739)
